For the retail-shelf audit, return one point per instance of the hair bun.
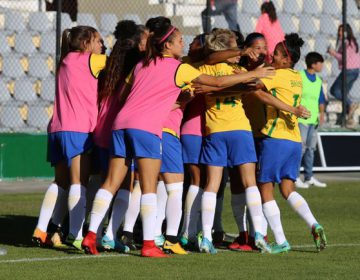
(293, 40)
(125, 29)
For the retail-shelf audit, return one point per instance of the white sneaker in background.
(313, 181)
(300, 184)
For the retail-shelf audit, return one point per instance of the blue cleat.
(114, 245)
(282, 248)
(207, 246)
(159, 240)
(261, 243)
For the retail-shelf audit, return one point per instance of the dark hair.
(313, 58)
(75, 39)
(162, 32)
(125, 29)
(350, 36)
(269, 8)
(239, 38)
(155, 22)
(291, 46)
(124, 56)
(245, 61)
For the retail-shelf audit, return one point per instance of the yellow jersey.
(286, 85)
(224, 111)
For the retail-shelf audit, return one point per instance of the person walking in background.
(67, 6)
(352, 70)
(269, 25)
(217, 7)
(313, 99)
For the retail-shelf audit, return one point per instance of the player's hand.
(263, 72)
(185, 96)
(302, 112)
(250, 53)
(238, 71)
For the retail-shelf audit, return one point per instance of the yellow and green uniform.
(286, 85)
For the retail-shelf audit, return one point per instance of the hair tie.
(286, 50)
(172, 29)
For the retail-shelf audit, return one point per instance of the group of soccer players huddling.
(146, 115)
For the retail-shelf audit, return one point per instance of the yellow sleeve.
(130, 78)
(97, 63)
(185, 74)
(271, 82)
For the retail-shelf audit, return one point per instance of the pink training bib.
(194, 121)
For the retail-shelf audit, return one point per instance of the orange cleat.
(89, 244)
(39, 238)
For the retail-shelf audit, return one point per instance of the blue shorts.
(65, 145)
(229, 148)
(191, 148)
(172, 161)
(135, 143)
(258, 145)
(279, 159)
(102, 159)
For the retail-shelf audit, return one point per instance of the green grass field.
(336, 208)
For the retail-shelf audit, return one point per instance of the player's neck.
(311, 71)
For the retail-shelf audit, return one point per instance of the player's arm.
(220, 56)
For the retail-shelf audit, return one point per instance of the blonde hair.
(219, 39)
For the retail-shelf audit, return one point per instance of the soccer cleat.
(174, 248)
(282, 248)
(129, 242)
(72, 241)
(207, 246)
(319, 237)
(261, 243)
(114, 245)
(184, 241)
(315, 182)
(159, 240)
(300, 184)
(89, 244)
(218, 238)
(39, 238)
(241, 243)
(56, 240)
(151, 251)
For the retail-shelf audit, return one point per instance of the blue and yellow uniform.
(229, 140)
(280, 153)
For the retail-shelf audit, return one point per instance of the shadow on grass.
(17, 230)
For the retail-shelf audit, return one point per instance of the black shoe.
(128, 242)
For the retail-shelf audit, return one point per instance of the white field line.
(27, 260)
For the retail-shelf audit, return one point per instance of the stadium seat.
(86, 19)
(38, 67)
(294, 7)
(220, 22)
(329, 25)
(289, 23)
(66, 22)
(313, 7)
(14, 22)
(4, 92)
(133, 17)
(247, 23)
(38, 117)
(25, 90)
(10, 116)
(12, 67)
(252, 7)
(335, 71)
(322, 43)
(308, 46)
(309, 24)
(48, 42)
(47, 92)
(187, 41)
(279, 5)
(352, 9)
(24, 43)
(39, 22)
(332, 7)
(326, 71)
(4, 47)
(108, 23)
(355, 25)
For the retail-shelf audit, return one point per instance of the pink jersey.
(109, 108)
(194, 121)
(352, 57)
(173, 121)
(75, 107)
(154, 92)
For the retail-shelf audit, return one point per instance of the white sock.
(238, 205)
(253, 203)
(77, 209)
(192, 208)
(264, 226)
(120, 206)
(134, 208)
(60, 207)
(208, 205)
(99, 209)
(47, 206)
(218, 226)
(300, 206)
(174, 208)
(161, 207)
(272, 213)
(148, 215)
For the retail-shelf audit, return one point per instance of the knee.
(285, 192)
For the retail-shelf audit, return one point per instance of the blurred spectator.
(269, 25)
(217, 7)
(313, 99)
(352, 70)
(68, 6)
